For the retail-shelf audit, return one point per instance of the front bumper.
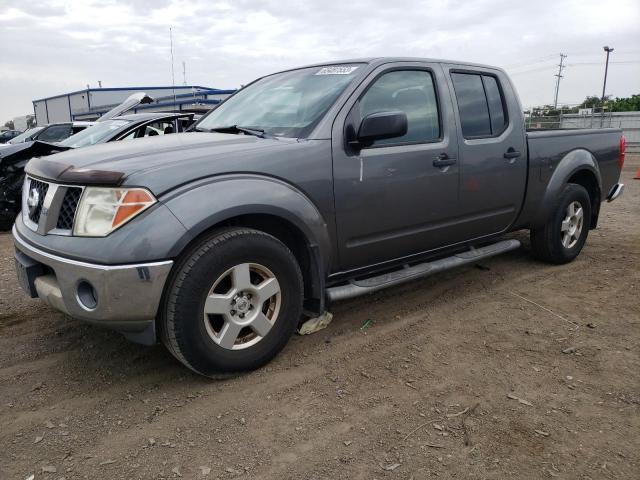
(121, 297)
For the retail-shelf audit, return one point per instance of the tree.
(9, 124)
(629, 104)
(593, 101)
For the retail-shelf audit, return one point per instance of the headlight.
(102, 210)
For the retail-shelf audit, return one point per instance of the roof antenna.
(173, 76)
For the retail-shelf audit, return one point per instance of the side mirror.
(381, 125)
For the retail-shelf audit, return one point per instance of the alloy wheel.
(572, 225)
(242, 306)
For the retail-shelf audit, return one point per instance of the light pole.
(606, 68)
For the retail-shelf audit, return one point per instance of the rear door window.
(480, 105)
(496, 107)
(472, 105)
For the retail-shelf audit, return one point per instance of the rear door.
(395, 198)
(492, 149)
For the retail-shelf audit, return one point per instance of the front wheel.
(561, 239)
(233, 302)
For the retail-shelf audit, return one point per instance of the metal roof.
(199, 88)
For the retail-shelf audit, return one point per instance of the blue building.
(90, 103)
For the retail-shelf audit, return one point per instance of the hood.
(168, 155)
(132, 101)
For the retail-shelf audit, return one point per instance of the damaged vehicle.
(13, 158)
(28, 135)
(8, 135)
(50, 133)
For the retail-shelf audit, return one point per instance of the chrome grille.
(68, 208)
(50, 208)
(35, 199)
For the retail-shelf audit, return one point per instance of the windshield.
(95, 134)
(287, 104)
(25, 135)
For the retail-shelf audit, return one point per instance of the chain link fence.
(572, 116)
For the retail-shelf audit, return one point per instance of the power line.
(533, 62)
(528, 63)
(569, 65)
(559, 77)
(539, 69)
(577, 64)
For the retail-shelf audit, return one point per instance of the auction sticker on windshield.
(336, 70)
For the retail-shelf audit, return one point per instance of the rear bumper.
(615, 192)
(120, 297)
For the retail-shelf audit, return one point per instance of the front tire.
(561, 239)
(233, 302)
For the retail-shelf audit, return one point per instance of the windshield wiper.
(256, 132)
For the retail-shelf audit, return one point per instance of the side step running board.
(356, 288)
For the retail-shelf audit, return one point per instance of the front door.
(395, 198)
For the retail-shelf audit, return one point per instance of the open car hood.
(139, 98)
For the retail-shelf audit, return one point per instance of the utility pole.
(561, 67)
(184, 73)
(173, 77)
(606, 68)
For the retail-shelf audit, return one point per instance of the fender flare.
(202, 204)
(573, 162)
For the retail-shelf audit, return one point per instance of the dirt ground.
(461, 375)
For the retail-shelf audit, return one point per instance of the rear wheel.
(233, 302)
(561, 239)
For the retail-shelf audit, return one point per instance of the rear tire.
(561, 239)
(233, 303)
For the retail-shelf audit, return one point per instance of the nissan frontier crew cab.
(306, 186)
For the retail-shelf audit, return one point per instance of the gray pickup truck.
(307, 186)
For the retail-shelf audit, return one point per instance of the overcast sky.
(50, 47)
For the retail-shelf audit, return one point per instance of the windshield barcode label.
(336, 70)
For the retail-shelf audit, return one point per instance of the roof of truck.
(382, 60)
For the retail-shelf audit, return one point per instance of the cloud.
(52, 47)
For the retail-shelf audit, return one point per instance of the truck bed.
(547, 148)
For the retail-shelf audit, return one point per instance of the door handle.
(443, 160)
(511, 153)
